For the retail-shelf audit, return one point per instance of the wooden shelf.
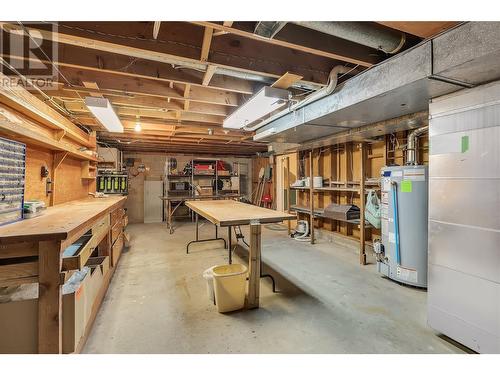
(319, 213)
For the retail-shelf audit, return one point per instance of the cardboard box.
(19, 320)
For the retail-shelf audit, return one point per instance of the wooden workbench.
(43, 239)
(227, 213)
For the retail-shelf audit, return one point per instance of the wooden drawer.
(76, 255)
(100, 230)
(87, 244)
(116, 230)
(116, 216)
(116, 250)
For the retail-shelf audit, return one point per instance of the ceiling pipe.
(411, 147)
(366, 34)
(325, 91)
(263, 79)
(268, 29)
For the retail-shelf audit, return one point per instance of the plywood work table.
(32, 252)
(175, 201)
(227, 213)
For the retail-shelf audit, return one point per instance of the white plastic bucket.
(208, 275)
(230, 286)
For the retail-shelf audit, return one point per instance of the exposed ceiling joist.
(209, 74)
(156, 29)
(225, 23)
(140, 53)
(133, 86)
(207, 41)
(422, 29)
(282, 43)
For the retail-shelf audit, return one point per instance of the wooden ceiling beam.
(156, 29)
(207, 41)
(82, 59)
(179, 54)
(70, 98)
(209, 74)
(152, 113)
(422, 29)
(282, 43)
(161, 149)
(179, 46)
(170, 137)
(136, 86)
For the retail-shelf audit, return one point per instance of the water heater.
(403, 254)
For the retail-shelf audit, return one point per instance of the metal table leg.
(204, 240)
(230, 247)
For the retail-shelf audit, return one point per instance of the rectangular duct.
(399, 86)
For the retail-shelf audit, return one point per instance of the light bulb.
(138, 127)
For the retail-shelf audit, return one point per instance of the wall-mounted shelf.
(89, 171)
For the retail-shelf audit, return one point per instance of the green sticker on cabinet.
(465, 143)
(406, 186)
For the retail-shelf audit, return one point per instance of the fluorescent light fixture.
(267, 100)
(103, 111)
(264, 134)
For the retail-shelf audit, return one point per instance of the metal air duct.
(364, 33)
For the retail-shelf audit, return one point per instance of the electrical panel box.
(12, 180)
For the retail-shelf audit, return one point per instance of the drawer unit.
(116, 216)
(116, 250)
(116, 231)
(76, 255)
(12, 180)
(100, 229)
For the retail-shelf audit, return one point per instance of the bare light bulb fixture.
(138, 126)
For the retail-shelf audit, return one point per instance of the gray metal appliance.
(403, 254)
(464, 217)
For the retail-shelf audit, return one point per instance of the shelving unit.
(89, 170)
(175, 198)
(311, 200)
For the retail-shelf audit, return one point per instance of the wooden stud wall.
(343, 163)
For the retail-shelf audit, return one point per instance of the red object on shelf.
(220, 165)
(202, 166)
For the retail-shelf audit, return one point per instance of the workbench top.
(229, 212)
(60, 222)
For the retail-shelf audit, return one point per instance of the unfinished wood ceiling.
(181, 79)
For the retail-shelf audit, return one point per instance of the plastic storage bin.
(230, 287)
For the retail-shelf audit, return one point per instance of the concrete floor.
(157, 301)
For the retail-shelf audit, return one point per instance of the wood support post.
(311, 194)
(362, 230)
(49, 298)
(289, 191)
(254, 266)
